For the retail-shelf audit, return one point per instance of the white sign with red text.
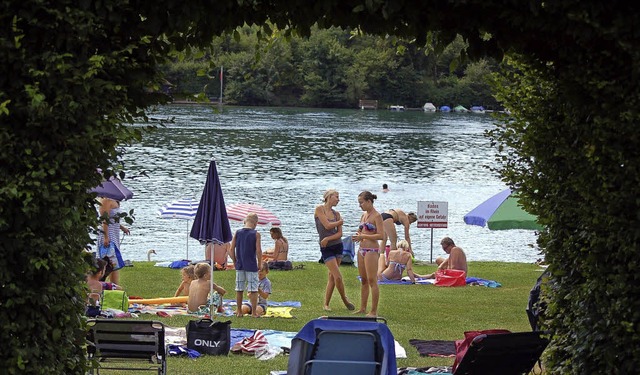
(433, 214)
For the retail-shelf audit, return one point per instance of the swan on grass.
(149, 254)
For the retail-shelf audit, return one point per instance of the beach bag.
(115, 299)
(451, 278)
(113, 253)
(209, 337)
(348, 251)
(463, 345)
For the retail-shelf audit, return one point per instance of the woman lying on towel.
(397, 262)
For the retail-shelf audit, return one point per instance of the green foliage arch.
(74, 73)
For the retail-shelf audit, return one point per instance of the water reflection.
(285, 158)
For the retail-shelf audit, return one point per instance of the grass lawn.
(412, 311)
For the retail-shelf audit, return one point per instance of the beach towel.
(178, 335)
(405, 281)
(434, 348)
(278, 312)
(440, 370)
(227, 311)
(483, 282)
(280, 339)
(476, 281)
(296, 304)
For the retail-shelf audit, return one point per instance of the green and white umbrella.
(502, 211)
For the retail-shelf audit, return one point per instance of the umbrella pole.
(187, 240)
(211, 307)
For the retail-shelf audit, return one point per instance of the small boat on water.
(396, 108)
(429, 107)
(460, 108)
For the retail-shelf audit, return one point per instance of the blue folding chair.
(337, 347)
(327, 358)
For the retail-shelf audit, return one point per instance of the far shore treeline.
(332, 68)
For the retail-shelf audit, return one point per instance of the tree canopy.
(74, 73)
(332, 68)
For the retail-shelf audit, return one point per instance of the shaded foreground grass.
(412, 311)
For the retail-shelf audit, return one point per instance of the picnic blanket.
(405, 281)
(296, 304)
(227, 310)
(483, 282)
(280, 339)
(421, 281)
(434, 348)
(178, 336)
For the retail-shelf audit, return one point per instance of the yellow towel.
(278, 312)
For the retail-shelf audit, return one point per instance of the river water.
(285, 158)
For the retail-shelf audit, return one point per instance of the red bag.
(463, 345)
(451, 278)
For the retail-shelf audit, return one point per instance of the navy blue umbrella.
(211, 223)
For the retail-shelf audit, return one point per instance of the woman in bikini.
(390, 219)
(329, 226)
(398, 261)
(280, 250)
(370, 231)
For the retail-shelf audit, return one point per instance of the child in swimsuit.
(200, 288)
(264, 290)
(188, 275)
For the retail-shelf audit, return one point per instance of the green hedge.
(74, 73)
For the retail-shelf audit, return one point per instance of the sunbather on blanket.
(457, 260)
(93, 280)
(397, 262)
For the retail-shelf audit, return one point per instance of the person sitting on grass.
(280, 250)
(264, 290)
(457, 259)
(93, 278)
(188, 275)
(398, 261)
(200, 288)
(220, 254)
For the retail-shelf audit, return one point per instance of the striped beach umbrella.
(239, 211)
(184, 209)
(502, 211)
